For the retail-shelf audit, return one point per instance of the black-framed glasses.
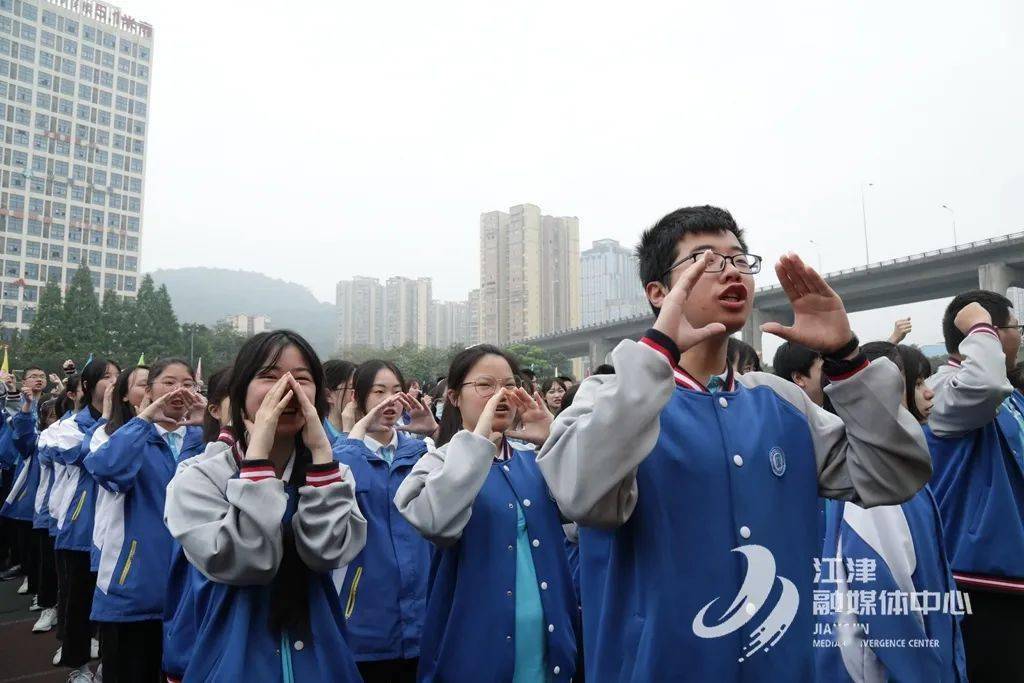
(1019, 328)
(486, 386)
(748, 264)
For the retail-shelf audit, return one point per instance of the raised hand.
(534, 417)
(900, 330)
(156, 411)
(197, 413)
(421, 420)
(970, 315)
(820, 321)
(671, 319)
(108, 401)
(25, 402)
(371, 421)
(313, 434)
(263, 426)
(485, 423)
(348, 416)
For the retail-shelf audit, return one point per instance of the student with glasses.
(500, 602)
(339, 375)
(137, 460)
(679, 467)
(384, 588)
(976, 434)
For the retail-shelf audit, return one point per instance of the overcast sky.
(365, 138)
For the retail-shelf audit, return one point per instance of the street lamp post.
(864, 218)
(952, 217)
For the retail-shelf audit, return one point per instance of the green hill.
(206, 295)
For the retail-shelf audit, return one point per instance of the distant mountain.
(206, 295)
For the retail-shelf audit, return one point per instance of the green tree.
(216, 346)
(115, 313)
(45, 344)
(170, 341)
(83, 325)
(543, 363)
(154, 329)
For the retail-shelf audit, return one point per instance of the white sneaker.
(23, 588)
(56, 656)
(34, 607)
(81, 675)
(94, 649)
(47, 620)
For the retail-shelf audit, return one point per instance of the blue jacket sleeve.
(25, 436)
(116, 463)
(9, 455)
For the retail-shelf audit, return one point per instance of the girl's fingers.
(283, 403)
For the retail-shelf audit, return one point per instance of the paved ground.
(24, 656)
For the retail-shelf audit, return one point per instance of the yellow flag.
(6, 367)
(142, 360)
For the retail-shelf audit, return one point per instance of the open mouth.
(502, 409)
(734, 296)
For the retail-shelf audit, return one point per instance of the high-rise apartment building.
(360, 307)
(473, 321)
(529, 274)
(246, 324)
(610, 282)
(451, 324)
(74, 116)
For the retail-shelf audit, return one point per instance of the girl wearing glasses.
(501, 601)
(384, 588)
(137, 461)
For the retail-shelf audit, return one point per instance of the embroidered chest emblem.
(777, 459)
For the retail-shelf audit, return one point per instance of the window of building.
(10, 313)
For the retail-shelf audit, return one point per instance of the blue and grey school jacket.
(20, 503)
(136, 550)
(976, 435)
(50, 473)
(468, 505)
(10, 457)
(895, 614)
(229, 523)
(384, 590)
(76, 510)
(710, 504)
(179, 635)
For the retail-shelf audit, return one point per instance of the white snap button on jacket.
(536, 543)
(745, 532)
(543, 585)
(299, 645)
(505, 467)
(738, 459)
(551, 628)
(722, 402)
(557, 670)
(526, 502)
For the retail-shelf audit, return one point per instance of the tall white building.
(360, 307)
(610, 282)
(451, 324)
(74, 110)
(246, 324)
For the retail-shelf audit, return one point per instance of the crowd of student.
(669, 518)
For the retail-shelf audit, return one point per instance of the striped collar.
(688, 381)
(953, 362)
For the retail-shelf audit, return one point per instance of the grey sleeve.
(230, 529)
(969, 397)
(437, 496)
(329, 527)
(873, 452)
(596, 445)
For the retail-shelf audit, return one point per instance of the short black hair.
(604, 369)
(793, 358)
(740, 353)
(916, 366)
(997, 305)
(338, 372)
(882, 349)
(566, 379)
(1016, 377)
(30, 368)
(217, 389)
(656, 251)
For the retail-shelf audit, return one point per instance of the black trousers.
(993, 635)
(75, 588)
(42, 566)
(132, 651)
(389, 671)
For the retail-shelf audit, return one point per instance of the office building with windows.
(610, 280)
(74, 110)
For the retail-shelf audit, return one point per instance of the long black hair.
(216, 391)
(63, 403)
(289, 594)
(122, 411)
(91, 375)
(462, 364)
(366, 375)
(916, 366)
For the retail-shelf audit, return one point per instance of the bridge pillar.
(999, 277)
(599, 350)
(752, 330)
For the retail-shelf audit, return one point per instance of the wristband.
(843, 351)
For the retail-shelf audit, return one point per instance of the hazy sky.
(366, 138)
